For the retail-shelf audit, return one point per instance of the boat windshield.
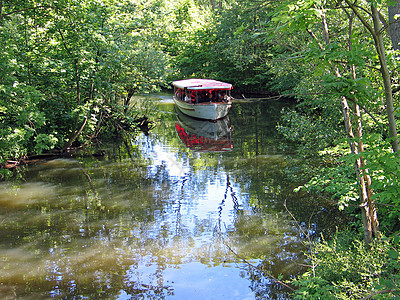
(202, 96)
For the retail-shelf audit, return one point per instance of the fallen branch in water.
(143, 123)
(307, 235)
(257, 268)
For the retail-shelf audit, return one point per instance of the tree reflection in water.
(153, 219)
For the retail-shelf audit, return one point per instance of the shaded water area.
(190, 211)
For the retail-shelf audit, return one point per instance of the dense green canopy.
(69, 69)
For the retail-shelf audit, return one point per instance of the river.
(193, 210)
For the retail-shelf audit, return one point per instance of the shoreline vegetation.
(143, 124)
(70, 70)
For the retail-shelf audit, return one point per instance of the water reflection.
(202, 135)
(153, 219)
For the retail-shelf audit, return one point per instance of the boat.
(204, 135)
(203, 98)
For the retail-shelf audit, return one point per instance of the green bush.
(346, 269)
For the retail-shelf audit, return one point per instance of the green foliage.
(226, 45)
(346, 269)
(64, 62)
(384, 167)
(61, 61)
(313, 133)
(328, 77)
(45, 142)
(314, 288)
(337, 182)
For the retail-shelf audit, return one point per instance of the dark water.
(191, 211)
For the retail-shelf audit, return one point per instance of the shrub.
(346, 269)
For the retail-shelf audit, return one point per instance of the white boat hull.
(204, 110)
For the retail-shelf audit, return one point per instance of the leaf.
(393, 254)
(389, 284)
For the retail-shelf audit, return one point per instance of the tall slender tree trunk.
(371, 224)
(368, 210)
(394, 31)
(380, 48)
(394, 25)
(377, 34)
(1, 11)
(367, 204)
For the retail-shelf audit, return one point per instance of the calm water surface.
(194, 210)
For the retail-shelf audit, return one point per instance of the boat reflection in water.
(203, 135)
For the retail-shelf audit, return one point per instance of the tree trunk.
(128, 98)
(78, 96)
(380, 48)
(394, 25)
(75, 136)
(368, 211)
(377, 32)
(356, 148)
(370, 216)
(367, 204)
(1, 11)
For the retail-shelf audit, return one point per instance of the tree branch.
(21, 10)
(253, 266)
(75, 136)
(372, 117)
(380, 293)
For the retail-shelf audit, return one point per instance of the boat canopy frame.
(202, 84)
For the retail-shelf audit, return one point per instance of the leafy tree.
(225, 43)
(68, 65)
(341, 56)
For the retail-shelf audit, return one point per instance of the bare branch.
(380, 293)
